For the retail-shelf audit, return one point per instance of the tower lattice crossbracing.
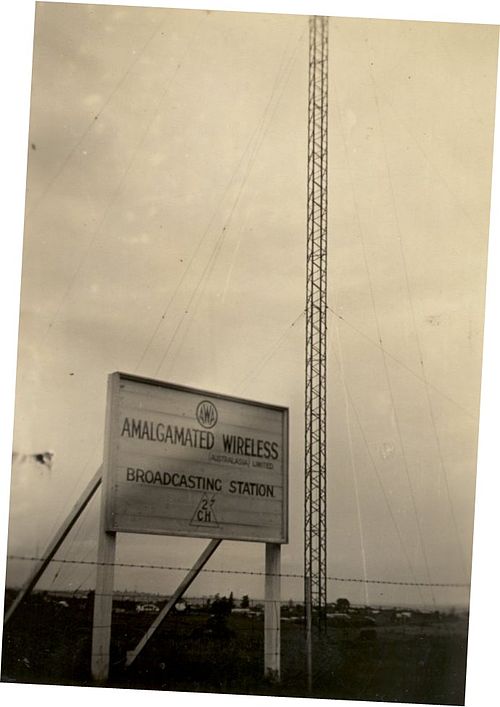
(316, 314)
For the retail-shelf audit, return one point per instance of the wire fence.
(216, 644)
(253, 573)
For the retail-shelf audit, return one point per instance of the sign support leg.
(103, 604)
(272, 611)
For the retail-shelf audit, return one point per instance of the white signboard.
(179, 461)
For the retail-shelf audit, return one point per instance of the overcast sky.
(165, 236)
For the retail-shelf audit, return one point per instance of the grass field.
(48, 642)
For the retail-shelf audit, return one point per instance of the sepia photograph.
(249, 362)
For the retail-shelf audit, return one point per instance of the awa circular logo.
(206, 414)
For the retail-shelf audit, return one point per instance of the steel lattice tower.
(316, 315)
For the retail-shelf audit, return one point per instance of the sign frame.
(112, 449)
(106, 552)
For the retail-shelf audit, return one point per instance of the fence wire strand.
(252, 573)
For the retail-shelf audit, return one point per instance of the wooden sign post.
(103, 606)
(272, 615)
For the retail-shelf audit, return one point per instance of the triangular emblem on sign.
(205, 513)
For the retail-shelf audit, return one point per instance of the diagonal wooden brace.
(56, 543)
(183, 586)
